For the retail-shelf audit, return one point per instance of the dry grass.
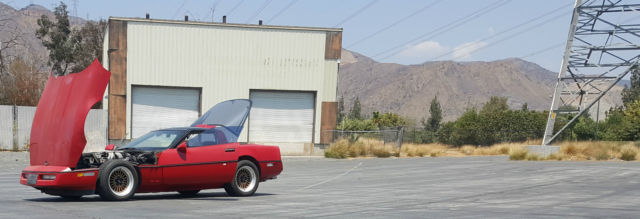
(365, 147)
(599, 150)
(585, 150)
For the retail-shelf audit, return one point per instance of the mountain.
(408, 89)
(24, 22)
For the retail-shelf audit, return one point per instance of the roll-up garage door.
(155, 108)
(281, 117)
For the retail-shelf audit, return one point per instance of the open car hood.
(231, 113)
(57, 132)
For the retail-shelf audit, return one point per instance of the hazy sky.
(400, 31)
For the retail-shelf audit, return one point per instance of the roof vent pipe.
(260, 22)
(224, 19)
(186, 18)
(147, 16)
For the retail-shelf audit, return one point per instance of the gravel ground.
(468, 187)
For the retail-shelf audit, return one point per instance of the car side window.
(209, 137)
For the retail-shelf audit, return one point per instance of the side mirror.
(110, 147)
(182, 147)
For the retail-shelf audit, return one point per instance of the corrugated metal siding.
(157, 108)
(6, 127)
(225, 61)
(281, 117)
(95, 130)
(25, 119)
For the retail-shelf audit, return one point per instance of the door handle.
(229, 149)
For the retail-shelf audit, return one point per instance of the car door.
(204, 163)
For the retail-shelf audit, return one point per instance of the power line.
(234, 7)
(213, 9)
(266, 3)
(291, 3)
(179, 9)
(543, 50)
(445, 28)
(513, 28)
(394, 23)
(518, 33)
(356, 13)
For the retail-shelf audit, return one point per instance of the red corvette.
(187, 160)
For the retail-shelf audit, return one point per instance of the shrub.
(468, 150)
(381, 152)
(628, 153)
(570, 149)
(518, 154)
(339, 150)
(357, 149)
(504, 150)
(555, 156)
(533, 157)
(602, 154)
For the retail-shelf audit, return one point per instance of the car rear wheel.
(117, 180)
(245, 181)
(189, 193)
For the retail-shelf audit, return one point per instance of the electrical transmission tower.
(603, 46)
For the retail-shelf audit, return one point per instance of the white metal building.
(167, 73)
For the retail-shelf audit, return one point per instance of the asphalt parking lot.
(471, 187)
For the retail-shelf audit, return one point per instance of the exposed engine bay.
(95, 159)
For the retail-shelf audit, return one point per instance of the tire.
(117, 180)
(246, 180)
(189, 193)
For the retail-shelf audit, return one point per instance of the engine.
(95, 159)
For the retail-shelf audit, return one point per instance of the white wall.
(95, 128)
(227, 62)
(6, 127)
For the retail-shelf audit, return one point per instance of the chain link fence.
(393, 137)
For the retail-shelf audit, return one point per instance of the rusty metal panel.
(118, 82)
(328, 121)
(333, 45)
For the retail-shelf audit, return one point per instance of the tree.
(435, 118)
(387, 120)
(8, 44)
(355, 112)
(23, 84)
(56, 37)
(632, 115)
(495, 104)
(467, 129)
(349, 124)
(340, 109)
(88, 40)
(525, 107)
(632, 93)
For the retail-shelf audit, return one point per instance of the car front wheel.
(245, 181)
(117, 180)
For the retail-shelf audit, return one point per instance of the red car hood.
(57, 132)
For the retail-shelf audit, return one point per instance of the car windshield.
(155, 140)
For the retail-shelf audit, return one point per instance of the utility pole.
(602, 47)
